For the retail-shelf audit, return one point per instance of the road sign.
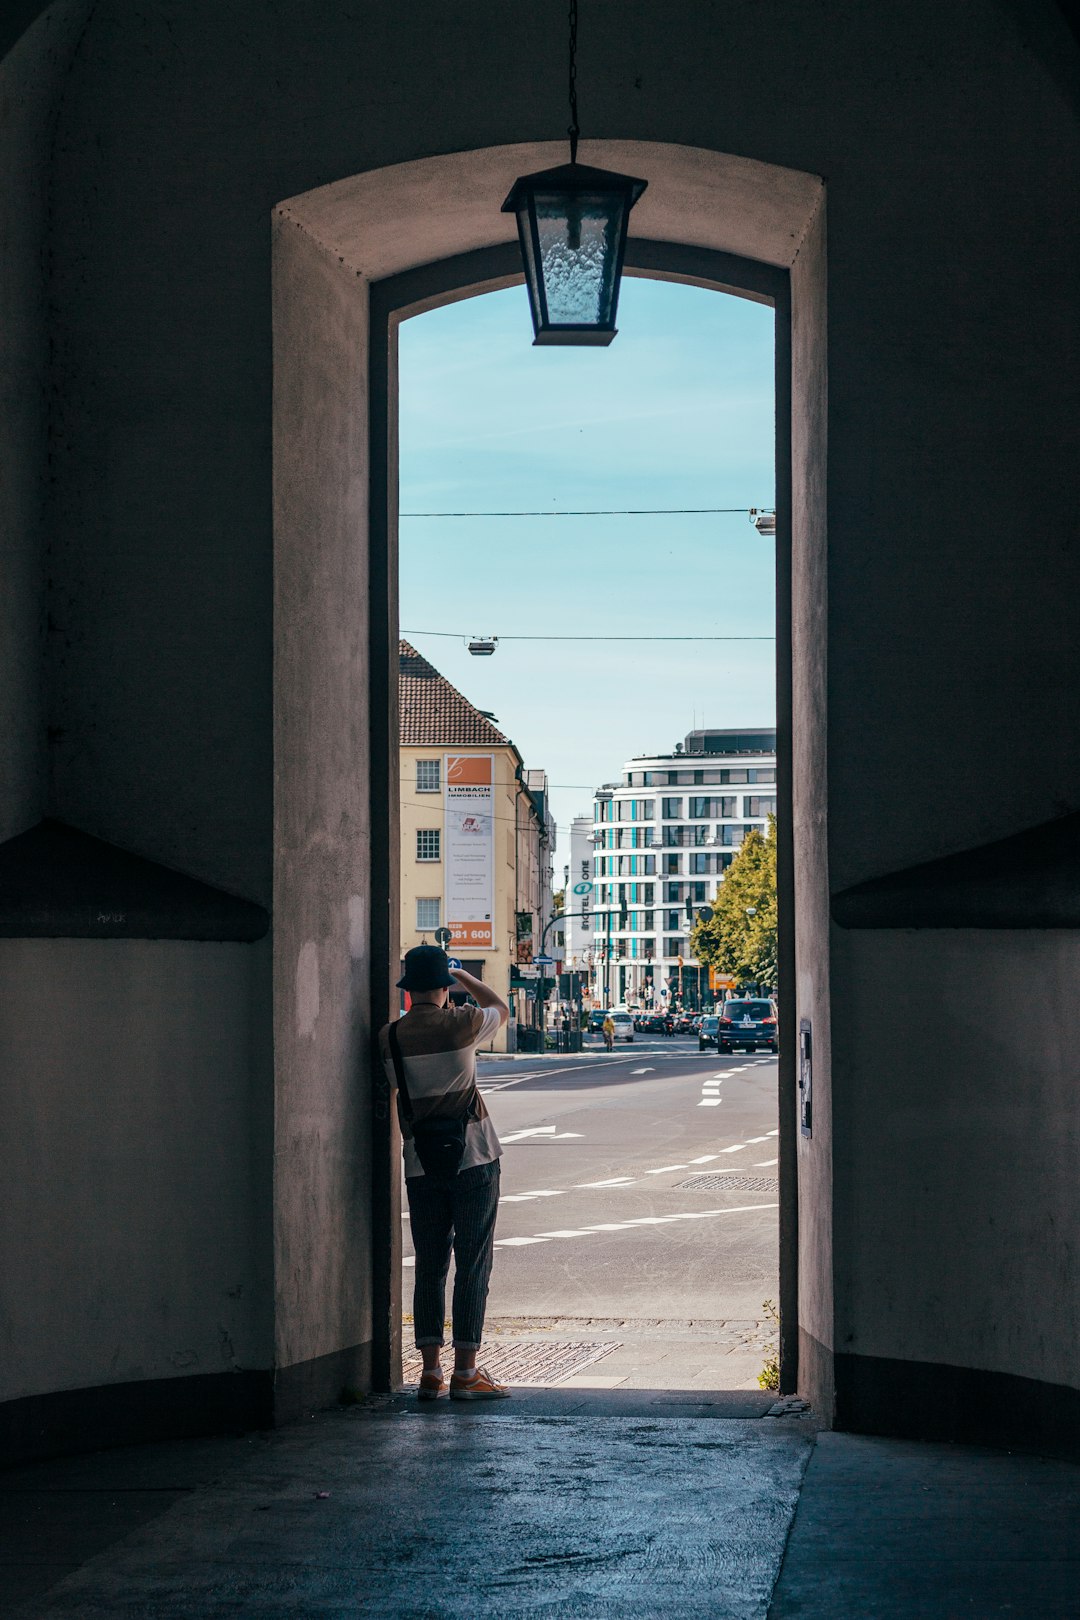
(583, 888)
(443, 936)
(544, 961)
(452, 961)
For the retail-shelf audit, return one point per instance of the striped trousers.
(453, 1214)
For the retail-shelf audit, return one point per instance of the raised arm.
(482, 993)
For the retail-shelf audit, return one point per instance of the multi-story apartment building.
(663, 837)
(476, 835)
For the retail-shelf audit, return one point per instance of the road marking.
(615, 1181)
(736, 1149)
(750, 1139)
(710, 1102)
(774, 1133)
(642, 1071)
(703, 1158)
(625, 1226)
(764, 1164)
(664, 1168)
(534, 1130)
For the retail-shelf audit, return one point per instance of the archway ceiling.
(385, 221)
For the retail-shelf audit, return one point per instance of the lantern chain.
(573, 130)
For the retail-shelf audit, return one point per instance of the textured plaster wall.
(322, 899)
(31, 84)
(946, 136)
(134, 1163)
(957, 1139)
(810, 650)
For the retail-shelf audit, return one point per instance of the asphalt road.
(596, 1219)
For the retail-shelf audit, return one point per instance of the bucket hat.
(426, 969)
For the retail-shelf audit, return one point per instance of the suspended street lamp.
(572, 223)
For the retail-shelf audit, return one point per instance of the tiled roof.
(433, 713)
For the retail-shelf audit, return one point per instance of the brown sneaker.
(476, 1386)
(432, 1385)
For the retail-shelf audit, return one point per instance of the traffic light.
(624, 915)
(689, 909)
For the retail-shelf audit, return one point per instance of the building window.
(427, 844)
(427, 915)
(701, 863)
(698, 891)
(701, 834)
(649, 923)
(753, 806)
(672, 891)
(650, 866)
(764, 775)
(672, 807)
(672, 863)
(673, 947)
(427, 776)
(731, 835)
(647, 891)
(671, 919)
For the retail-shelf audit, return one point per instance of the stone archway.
(349, 260)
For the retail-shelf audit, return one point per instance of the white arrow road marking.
(642, 1071)
(516, 1243)
(535, 1130)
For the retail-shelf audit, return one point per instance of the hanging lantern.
(572, 228)
(572, 225)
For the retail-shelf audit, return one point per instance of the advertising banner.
(469, 860)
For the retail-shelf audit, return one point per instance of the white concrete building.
(663, 837)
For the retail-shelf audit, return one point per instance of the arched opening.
(351, 261)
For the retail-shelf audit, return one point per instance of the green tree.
(740, 936)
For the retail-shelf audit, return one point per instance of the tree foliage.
(740, 936)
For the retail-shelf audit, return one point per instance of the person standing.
(452, 1166)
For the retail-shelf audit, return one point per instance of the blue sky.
(677, 412)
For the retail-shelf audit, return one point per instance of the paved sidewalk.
(451, 1513)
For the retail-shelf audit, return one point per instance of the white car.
(624, 1026)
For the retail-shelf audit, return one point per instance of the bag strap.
(399, 1070)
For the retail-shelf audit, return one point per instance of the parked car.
(624, 1026)
(748, 1023)
(596, 1022)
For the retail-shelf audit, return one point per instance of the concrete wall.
(322, 837)
(31, 83)
(810, 830)
(946, 135)
(957, 1141)
(136, 1196)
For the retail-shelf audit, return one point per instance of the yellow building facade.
(468, 824)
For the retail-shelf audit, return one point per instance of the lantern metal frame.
(570, 180)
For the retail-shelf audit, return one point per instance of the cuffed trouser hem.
(465, 1344)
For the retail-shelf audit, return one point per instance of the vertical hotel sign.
(469, 860)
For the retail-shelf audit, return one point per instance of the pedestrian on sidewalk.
(451, 1162)
(609, 1032)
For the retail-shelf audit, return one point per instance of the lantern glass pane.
(579, 241)
(529, 259)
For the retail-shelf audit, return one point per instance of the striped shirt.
(438, 1050)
